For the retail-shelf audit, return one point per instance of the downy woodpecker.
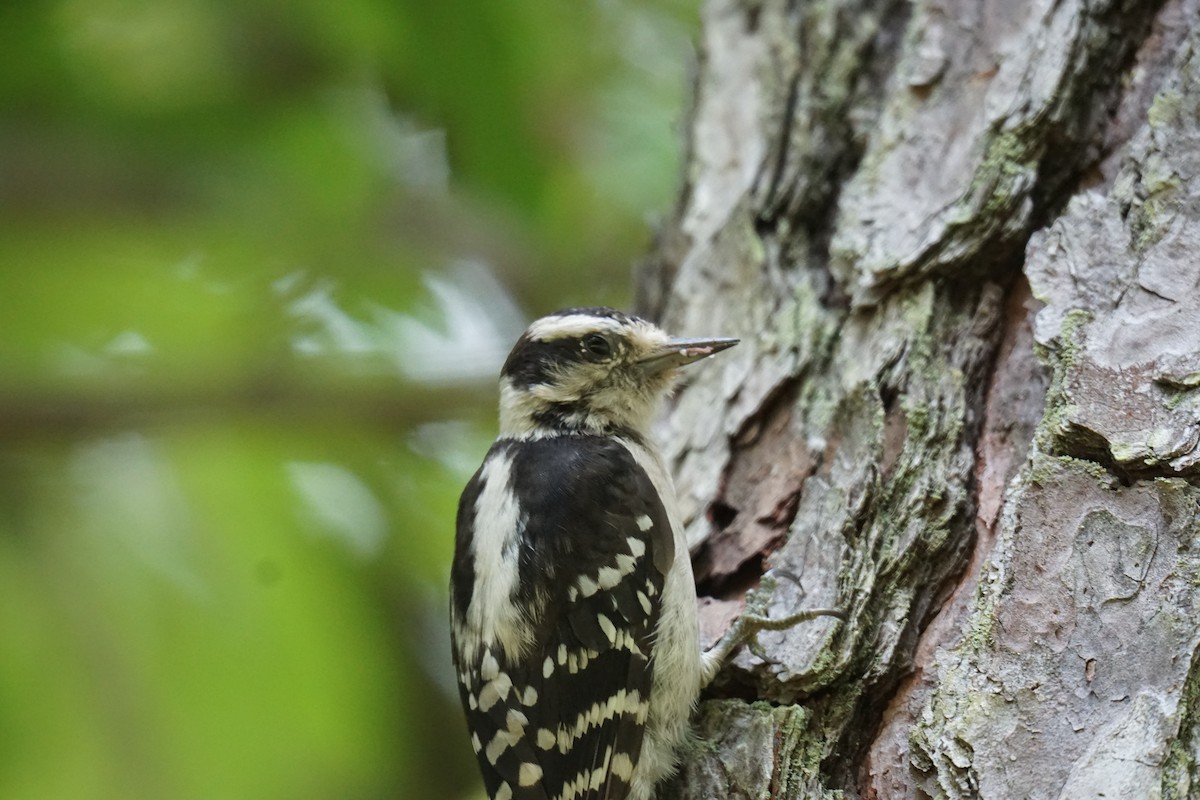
(573, 607)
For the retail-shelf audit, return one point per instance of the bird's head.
(592, 370)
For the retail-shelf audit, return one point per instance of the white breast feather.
(498, 522)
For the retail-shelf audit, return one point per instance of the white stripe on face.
(550, 328)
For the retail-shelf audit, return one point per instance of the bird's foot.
(752, 622)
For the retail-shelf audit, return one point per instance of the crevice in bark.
(1145, 76)
(934, 564)
(732, 585)
(1082, 444)
(766, 219)
(1100, 456)
(1093, 108)
(847, 765)
(765, 473)
(1013, 404)
(1075, 149)
(819, 143)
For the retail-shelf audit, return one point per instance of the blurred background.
(259, 265)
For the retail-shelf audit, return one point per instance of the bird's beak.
(681, 352)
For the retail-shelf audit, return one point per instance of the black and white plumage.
(573, 607)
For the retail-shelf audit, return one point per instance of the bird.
(573, 612)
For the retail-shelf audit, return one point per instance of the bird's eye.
(596, 346)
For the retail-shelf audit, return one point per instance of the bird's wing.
(597, 544)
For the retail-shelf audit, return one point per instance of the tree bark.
(961, 243)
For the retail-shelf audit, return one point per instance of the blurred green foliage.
(258, 265)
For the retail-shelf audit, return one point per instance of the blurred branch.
(72, 411)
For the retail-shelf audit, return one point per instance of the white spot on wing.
(645, 601)
(495, 691)
(608, 577)
(516, 721)
(529, 774)
(644, 523)
(489, 668)
(607, 626)
(621, 703)
(499, 743)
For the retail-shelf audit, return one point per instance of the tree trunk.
(961, 243)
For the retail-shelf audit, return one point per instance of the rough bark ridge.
(958, 239)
